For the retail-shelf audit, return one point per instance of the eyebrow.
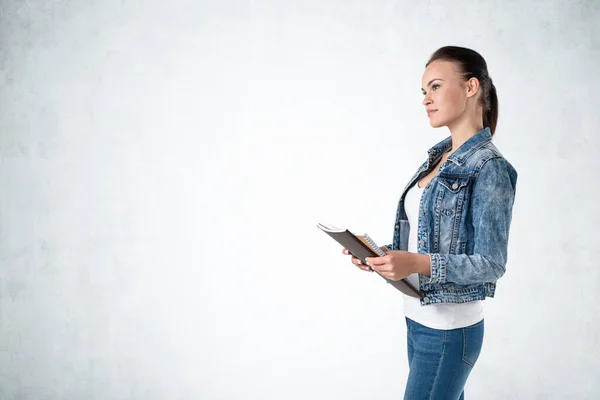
(431, 81)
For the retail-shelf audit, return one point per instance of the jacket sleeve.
(492, 202)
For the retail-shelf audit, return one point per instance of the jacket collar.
(460, 155)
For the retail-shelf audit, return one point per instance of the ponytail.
(490, 103)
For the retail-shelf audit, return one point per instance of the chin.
(437, 122)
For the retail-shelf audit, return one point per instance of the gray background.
(163, 166)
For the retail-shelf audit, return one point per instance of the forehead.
(439, 69)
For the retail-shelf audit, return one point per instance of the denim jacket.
(464, 220)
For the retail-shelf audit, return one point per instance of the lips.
(429, 112)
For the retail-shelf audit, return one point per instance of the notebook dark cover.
(360, 250)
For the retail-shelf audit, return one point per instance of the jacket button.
(421, 243)
(455, 186)
(422, 213)
(426, 300)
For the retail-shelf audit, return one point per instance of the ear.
(472, 87)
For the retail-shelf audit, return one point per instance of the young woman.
(452, 227)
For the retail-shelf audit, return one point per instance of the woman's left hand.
(398, 264)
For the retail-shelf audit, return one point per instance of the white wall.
(163, 166)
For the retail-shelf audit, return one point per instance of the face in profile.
(445, 93)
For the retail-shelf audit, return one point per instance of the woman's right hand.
(357, 262)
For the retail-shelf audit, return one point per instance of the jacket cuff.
(438, 268)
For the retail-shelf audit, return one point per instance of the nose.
(426, 100)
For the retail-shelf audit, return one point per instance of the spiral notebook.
(363, 246)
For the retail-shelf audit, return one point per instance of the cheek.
(452, 102)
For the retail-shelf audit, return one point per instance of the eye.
(435, 86)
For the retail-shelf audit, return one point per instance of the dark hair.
(472, 65)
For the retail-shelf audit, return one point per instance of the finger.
(345, 251)
(357, 261)
(360, 264)
(376, 261)
(365, 268)
(381, 268)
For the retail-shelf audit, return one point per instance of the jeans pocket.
(472, 342)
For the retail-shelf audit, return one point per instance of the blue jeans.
(440, 361)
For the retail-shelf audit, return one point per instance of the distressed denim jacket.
(464, 220)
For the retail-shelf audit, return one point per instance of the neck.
(462, 130)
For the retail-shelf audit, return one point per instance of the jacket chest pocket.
(451, 197)
(452, 189)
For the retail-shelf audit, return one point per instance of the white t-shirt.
(439, 315)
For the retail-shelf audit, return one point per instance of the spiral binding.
(374, 246)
